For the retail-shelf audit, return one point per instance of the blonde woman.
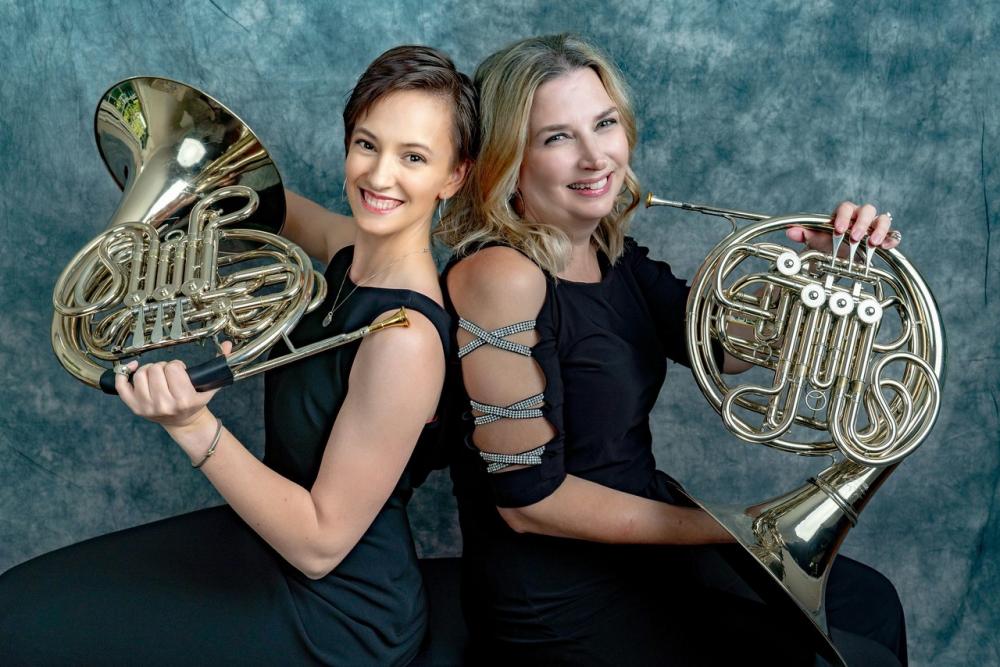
(577, 550)
(311, 561)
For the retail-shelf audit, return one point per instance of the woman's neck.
(582, 265)
(389, 260)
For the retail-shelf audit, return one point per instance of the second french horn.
(850, 356)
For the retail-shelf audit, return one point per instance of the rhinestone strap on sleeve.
(519, 410)
(497, 462)
(495, 338)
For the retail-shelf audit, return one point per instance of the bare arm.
(370, 443)
(585, 510)
(318, 231)
(497, 287)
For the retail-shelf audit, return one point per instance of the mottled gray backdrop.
(771, 106)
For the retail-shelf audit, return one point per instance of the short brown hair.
(418, 68)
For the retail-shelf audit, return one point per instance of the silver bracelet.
(211, 448)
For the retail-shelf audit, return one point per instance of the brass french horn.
(193, 250)
(852, 357)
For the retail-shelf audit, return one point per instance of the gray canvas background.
(769, 106)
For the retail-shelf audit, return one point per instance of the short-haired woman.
(311, 561)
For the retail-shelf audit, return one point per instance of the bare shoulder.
(416, 344)
(398, 373)
(497, 279)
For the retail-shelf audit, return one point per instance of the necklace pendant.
(328, 319)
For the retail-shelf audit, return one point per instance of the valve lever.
(177, 328)
(157, 335)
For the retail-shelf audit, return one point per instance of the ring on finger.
(895, 235)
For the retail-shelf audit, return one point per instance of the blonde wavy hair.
(484, 211)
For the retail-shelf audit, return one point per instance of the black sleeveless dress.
(533, 599)
(203, 588)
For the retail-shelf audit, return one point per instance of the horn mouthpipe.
(652, 200)
(397, 319)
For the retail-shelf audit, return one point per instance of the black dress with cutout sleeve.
(603, 349)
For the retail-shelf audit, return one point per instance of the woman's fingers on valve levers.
(855, 223)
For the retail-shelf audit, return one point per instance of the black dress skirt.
(603, 349)
(203, 588)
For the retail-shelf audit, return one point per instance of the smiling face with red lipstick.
(401, 162)
(576, 155)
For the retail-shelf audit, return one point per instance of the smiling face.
(577, 154)
(401, 161)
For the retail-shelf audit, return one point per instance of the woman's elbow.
(517, 519)
(316, 566)
(514, 519)
(317, 570)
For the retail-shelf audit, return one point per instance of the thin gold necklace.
(337, 303)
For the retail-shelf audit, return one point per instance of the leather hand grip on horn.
(212, 374)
